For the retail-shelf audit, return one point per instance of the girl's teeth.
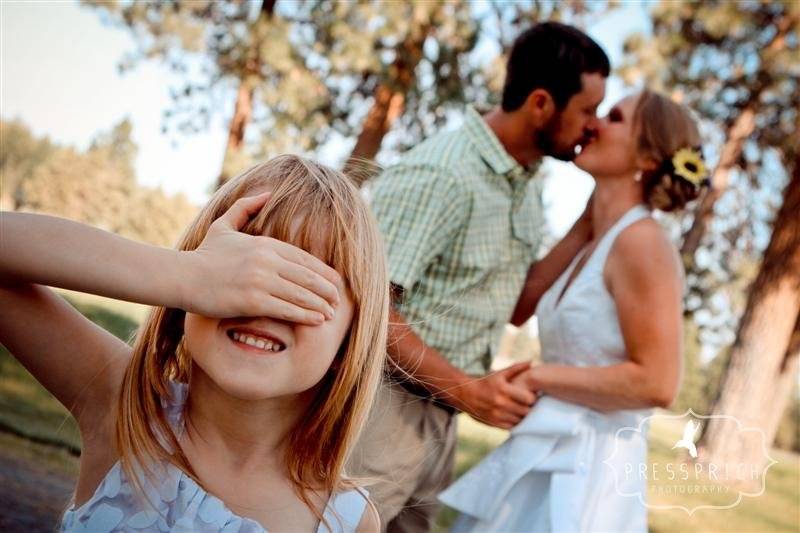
(261, 344)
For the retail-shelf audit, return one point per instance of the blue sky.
(59, 75)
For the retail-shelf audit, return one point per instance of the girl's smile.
(257, 338)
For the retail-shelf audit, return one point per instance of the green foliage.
(20, 153)
(313, 66)
(722, 57)
(97, 187)
(83, 187)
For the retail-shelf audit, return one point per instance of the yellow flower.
(688, 164)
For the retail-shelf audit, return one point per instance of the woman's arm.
(542, 274)
(644, 276)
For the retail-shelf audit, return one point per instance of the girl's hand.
(233, 274)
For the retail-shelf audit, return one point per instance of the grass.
(27, 410)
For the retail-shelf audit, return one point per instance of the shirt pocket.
(487, 243)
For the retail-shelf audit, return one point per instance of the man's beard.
(546, 141)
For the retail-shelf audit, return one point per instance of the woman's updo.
(668, 134)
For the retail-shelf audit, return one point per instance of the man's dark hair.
(551, 56)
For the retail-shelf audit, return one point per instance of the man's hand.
(528, 379)
(496, 399)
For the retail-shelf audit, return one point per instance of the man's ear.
(540, 106)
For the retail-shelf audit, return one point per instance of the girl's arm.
(644, 276)
(230, 274)
(80, 363)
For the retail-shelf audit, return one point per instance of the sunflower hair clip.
(688, 164)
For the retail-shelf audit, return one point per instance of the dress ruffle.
(555, 437)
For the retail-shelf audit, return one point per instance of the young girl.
(213, 420)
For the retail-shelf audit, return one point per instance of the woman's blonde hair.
(309, 203)
(663, 127)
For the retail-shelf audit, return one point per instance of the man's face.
(574, 125)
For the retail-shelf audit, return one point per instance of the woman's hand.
(234, 274)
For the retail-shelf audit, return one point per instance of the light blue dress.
(562, 467)
(178, 503)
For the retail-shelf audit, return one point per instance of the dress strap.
(634, 214)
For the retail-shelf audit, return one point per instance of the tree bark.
(741, 129)
(243, 109)
(764, 358)
(731, 151)
(387, 106)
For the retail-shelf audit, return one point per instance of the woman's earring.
(638, 176)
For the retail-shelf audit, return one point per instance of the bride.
(611, 334)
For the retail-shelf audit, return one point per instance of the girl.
(611, 334)
(237, 406)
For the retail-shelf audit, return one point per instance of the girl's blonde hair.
(310, 203)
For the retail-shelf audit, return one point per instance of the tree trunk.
(242, 112)
(388, 104)
(783, 388)
(764, 358)
(731, 151)
(386, 107)
(741, 129)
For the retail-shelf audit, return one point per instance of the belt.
(414, 388)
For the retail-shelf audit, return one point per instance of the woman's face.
(260, 358)
(613, 151)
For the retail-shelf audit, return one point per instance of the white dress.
(559, 470)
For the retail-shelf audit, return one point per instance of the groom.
(461, 217)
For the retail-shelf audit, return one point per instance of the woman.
(611, 334)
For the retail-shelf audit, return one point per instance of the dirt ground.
(36, 483)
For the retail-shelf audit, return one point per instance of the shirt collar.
(490, 148)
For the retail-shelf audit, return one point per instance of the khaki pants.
(405, 457)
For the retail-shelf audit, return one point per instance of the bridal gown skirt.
(563, 468)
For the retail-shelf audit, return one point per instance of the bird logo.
(687, 440)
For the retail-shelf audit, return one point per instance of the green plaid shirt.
(462, 223)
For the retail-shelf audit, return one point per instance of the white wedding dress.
(559, 470)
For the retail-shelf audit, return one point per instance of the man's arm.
(491, 399)
(420, 209)
(542, 274)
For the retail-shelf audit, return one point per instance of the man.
(462, 218)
